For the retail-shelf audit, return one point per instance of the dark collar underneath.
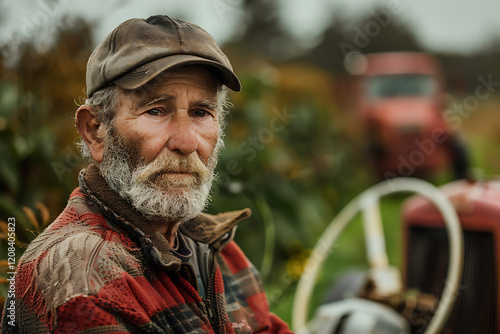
(208, 229)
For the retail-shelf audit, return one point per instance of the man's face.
(175, 115)
(160, 150)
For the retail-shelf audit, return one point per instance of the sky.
(450, 26)
(458, 26)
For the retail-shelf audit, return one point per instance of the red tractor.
(477, 304)
(401, 104)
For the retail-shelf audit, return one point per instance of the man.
(133, 252)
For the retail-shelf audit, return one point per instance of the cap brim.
(143, 74)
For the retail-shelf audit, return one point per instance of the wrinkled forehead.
(202, 78)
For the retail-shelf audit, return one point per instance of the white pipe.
(374, 232)
(325, 243)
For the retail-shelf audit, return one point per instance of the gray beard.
(150, 199)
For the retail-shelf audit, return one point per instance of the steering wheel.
(367, 202)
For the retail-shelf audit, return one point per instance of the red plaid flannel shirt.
(92, 271)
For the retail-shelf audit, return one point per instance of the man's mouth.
(180, 173)
(167, 172)
(175, 175)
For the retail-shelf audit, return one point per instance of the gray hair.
(105, 101)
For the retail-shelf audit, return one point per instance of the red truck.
(401, 103)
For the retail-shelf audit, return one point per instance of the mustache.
(167, 163)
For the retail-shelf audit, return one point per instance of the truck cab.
(401, 103)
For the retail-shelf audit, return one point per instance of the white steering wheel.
(368, 203)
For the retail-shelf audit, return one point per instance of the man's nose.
(182, 137)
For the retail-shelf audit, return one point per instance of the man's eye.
(201, 113)
(155, 112)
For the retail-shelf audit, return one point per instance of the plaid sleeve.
(244, 285)
(133, 305)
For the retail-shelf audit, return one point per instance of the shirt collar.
(214, 230)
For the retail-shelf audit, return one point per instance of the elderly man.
(132, 252)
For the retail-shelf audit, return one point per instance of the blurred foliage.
(37, 99)
(39, 163)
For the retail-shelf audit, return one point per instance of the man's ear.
(91, 131)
